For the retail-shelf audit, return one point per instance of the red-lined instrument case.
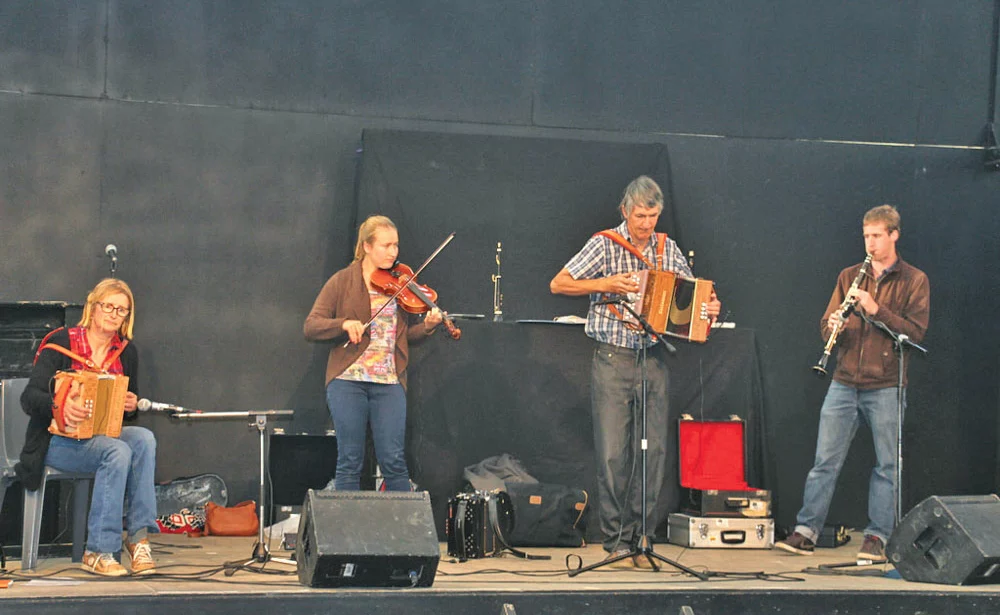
(713, 471)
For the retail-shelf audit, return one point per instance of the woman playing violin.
(366, 377)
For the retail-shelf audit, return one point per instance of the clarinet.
(844, 311)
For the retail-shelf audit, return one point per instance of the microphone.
(618, 299)
(903, 337)
(112, 251)
(145, 405)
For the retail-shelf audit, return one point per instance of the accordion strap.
(586, 499)
(88, 362)
(69, 353)
(461, 508)
(661, 248)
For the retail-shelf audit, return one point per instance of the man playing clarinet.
(864, 386)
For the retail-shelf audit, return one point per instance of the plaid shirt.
(600, 258)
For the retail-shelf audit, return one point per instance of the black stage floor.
(191, 579)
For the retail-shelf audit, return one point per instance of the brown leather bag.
(238, 520)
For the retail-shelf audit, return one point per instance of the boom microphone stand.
(901, 340)
(644, 548)
(260, 550)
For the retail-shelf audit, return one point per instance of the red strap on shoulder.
(69, 353)
(44, 343)
(79, 344)
(661, 245)
(114, 356)
(79, 359)
(615, 236)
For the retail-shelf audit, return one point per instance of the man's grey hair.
(642, 191)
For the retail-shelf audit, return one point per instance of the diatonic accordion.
(102, 394)
(674, 305)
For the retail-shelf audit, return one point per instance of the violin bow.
(403, 286)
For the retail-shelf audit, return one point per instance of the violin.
(413, 298)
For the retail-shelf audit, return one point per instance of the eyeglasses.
(108, 308)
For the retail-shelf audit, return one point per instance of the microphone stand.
(644, 548)
(900, 341)
(260, 550)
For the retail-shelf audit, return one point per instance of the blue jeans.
(843, 409)
(352, 405)
(615, 396)
(123, 483)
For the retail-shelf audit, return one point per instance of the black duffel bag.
(548, 515)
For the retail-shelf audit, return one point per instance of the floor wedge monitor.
(367, 539)
(953, 540)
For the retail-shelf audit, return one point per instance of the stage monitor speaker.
(951, 539)
(367, 539)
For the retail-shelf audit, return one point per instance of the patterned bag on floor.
(185, 521)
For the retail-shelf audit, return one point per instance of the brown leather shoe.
(141, 556)
(642, 562)
(626, 563)
(103, 564)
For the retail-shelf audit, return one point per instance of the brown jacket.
(865, 356)
(345, 297)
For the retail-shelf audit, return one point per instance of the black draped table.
(524, 389)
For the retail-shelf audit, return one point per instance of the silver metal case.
(720, 532)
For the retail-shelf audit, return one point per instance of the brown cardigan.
(345, 297)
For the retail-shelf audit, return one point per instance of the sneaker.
(103, 564)
(796, 543)
(141, 557)
(872, 551)
(624, 563)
